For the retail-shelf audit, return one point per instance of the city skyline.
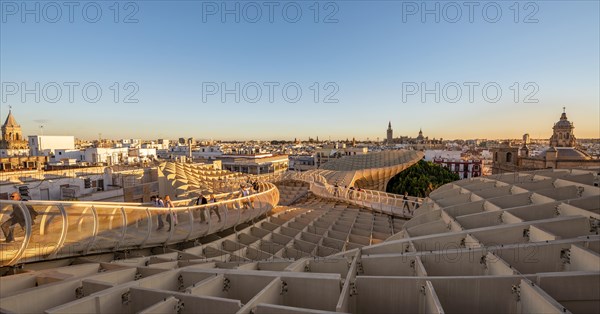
(168, 71)
(45, 131)
(301, 156)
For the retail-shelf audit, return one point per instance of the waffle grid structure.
(312, 228)
(180, 179)
(514, 243)
(369, 171)
(291, 191)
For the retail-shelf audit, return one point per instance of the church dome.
(566, 153)
(563, 122)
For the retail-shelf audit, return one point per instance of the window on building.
(508, 157)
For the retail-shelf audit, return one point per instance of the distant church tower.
(563, 133)
(12, 137)
(420, 138)
(390, 133)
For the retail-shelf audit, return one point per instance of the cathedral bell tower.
(390, 133)
(12, 136)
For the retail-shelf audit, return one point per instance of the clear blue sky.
(369, 54)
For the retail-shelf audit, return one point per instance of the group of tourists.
(171, 218)
(201, 200)
(247, 201)
(17, 217)
(157, 201)
(355, 193)
(352, 192)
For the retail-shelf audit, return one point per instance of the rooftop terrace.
(513, 243)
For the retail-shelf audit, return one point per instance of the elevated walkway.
(386, 203)
(64, 229)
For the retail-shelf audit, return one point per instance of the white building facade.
(45, 145)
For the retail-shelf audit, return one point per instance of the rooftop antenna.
(42, 123)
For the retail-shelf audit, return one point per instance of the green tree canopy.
(420, 179)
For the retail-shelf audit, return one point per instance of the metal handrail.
(104, 227)
(388, 203)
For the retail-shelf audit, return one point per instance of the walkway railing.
(44, 230)
(391, 204)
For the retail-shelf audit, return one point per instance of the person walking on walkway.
(245, 199)
(201, 201)
(157, 202)
(215, 208)
(16, 217)
(171, 216)
(405, 204)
